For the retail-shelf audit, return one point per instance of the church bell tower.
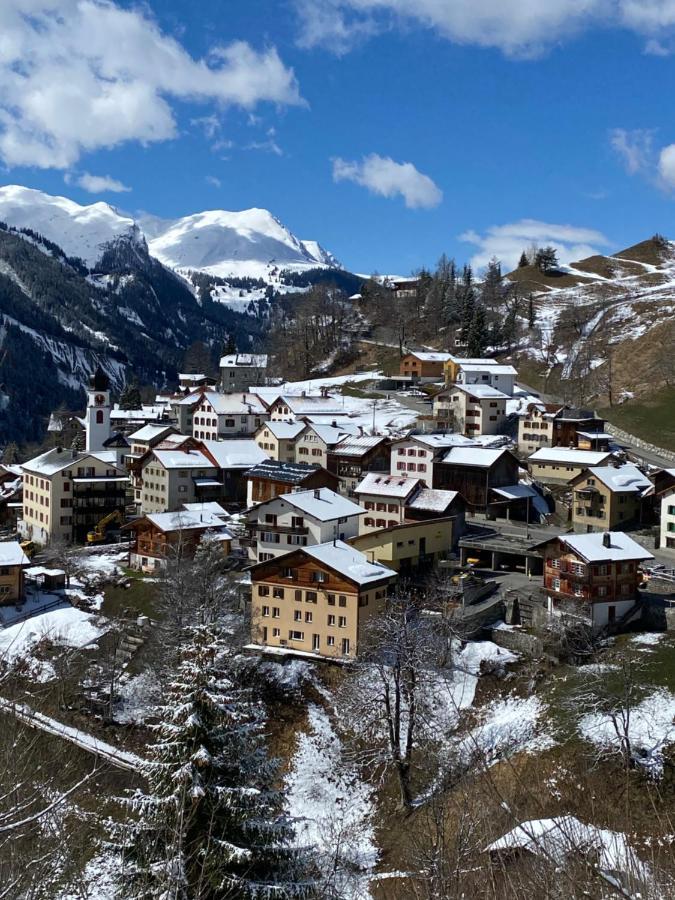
(98, 411)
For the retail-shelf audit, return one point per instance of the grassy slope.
(652, 419)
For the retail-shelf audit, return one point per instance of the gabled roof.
(210, 507)
(387, 485)
(321, 504)
(284, 431)
(181, 520)
(569, 456)
(357, 446)
(183, 459)
(623, 479)
(432, 500)
(299, 405)
(349, 562)
(333, 434)
(438, 441)
(11, 554)
(290, 473)
(487, 365)
(235, 404)
(429, 355)
(478, 457)
(483, 391)
(150, 433)
(116, 440)
(591, 548)
(57, 459)
(239, 453)
(244, 361)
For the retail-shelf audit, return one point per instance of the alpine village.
(318, 584)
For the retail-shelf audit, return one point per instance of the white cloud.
(667, 167)
(77, 75)
(213, 180)
(97, 184)
(381, 175)
(507, 242)
(517, 27)
(635, 148)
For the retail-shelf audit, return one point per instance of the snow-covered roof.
(597, 435)
(244, 361)
(480, 366)
(483, 391)
(516, 491)
(322, 504)
(210, 507)
(349, 562)
(625, 478)
(57, 459)
(145, 412)
(11, 554)
(299, 405)
(287, 472)
(591, 547)
(149, 432)
(387, 485)
(432, 500)
(429, 356)
(235, 404)
(480, 457)
(239, 453)
(569, 456)
(438, 441)
(358, 446)
(183, 459)
(333, 434)
(284, 431)
(182, 520)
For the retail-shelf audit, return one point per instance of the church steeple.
(98, 411)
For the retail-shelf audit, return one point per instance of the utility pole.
(374, 406)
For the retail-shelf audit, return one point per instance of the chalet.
(535, 428)
(608, 497)
(233, 459)
(301, 519)
(317, 600)
(271, 478)
(161, 537)
(219, 416)
(145, 439)
(293, 409)
(242, 371)
(572, 425)
(471, 410)
(410, 546)
(354, 457)
(416, 454)
(561, 465)
(67, 492)
(384, 498)
(486, 372)
(317, 440)
(423, 365)
(403, 288)
(475, 471)
(278, 439)
(182, 409)
(431, 503)
(13, 564)
(594, 575)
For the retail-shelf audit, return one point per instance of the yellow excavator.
(98, 534)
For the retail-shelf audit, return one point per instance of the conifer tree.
(211, 823)
(523, 261)
(477, 336)
(130, 398)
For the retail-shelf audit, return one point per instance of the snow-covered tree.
(211, 823)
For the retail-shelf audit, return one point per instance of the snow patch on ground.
(66, 626)
(651, 730)
(333, 807)
(139, 697)
(649, 639)
(508, 725)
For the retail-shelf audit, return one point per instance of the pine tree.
(230, 346)
(211, 823)
(130, 398)
(477, 336)
(10, 454)
(523, 261)
(546, 259)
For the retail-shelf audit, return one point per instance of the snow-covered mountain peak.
(82, 231)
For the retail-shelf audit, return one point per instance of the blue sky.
(389, 130)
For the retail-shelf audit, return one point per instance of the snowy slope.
(248, 243)
(82, 231)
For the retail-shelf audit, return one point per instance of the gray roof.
(275, 470)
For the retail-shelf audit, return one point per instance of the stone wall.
(639, 443)
(518, 641)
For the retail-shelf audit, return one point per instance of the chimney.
(59, 449)
(317, 493)
(607, 539)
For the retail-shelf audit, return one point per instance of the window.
(309, 616)
(331, 620)
(555, 584)
(330, 640)
(269, 537)
(276, 632)
(229, 423)
(343, 600)
(99, 417)
(578, 568)
(555, 563)
(319, 576)
(270, 519)
(298, 595)
(290, 573)
(263, 590)
(265, 610)
(275, 612)
(297, 615)
(311, 596)
(278, 593)
(297, 540)
(297, 522)
(331, 599)
(345, 646)
(342, 621)
(602, 591)
(296, 635)
(316, 641)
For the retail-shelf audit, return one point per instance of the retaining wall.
(638, 442)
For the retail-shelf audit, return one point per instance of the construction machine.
(98, 534)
